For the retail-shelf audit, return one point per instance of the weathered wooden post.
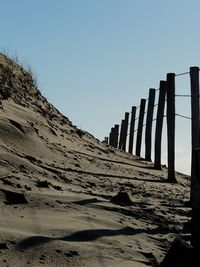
(112, 137)
(171, 126)
(159, 125)
(132, 128)
(126, 119)
(140, 127)
(121, 134)
(195, 233)
(149, 121)
(106, 140)
(195, 160)
(195, 117)
(116, 134)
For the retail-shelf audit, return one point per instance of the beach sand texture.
(57, 184)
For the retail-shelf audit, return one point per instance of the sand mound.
(56, 187)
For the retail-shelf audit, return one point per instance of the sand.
(56, 189)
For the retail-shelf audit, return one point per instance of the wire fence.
(166, 108)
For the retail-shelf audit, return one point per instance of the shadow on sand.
(86, 236)
(87, 201)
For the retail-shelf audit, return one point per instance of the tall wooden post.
(132, 128)
(159, 125)
(195, 161)
(194, 82)
(171, 126)
(140, 127)
(112, 137)
(126, 119)
(195, 233)
(121, 134)
(116, 134)
(149, 121)
(106, 140)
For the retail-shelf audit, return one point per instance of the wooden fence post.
(106, 140)
(195, 233)
(194, 81)
(159, 125)
(132, 128)
(121, 134)
(171, 126)
(112, 137)
(140, 127)
(126, 119)
(149, 121)
(116, 134)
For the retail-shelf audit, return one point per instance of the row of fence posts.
(166, 95)
(119, 139)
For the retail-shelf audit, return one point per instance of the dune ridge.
(57, 184)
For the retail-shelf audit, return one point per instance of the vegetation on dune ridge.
(20, 85)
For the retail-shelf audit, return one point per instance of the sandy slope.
(66, 178)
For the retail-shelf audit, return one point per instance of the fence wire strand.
(155, 105)
(181, 74)
(182, 95)
(183, 116)
(164, 116)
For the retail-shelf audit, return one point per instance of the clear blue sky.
(94, 59)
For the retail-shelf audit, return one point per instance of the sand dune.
(57, 184)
